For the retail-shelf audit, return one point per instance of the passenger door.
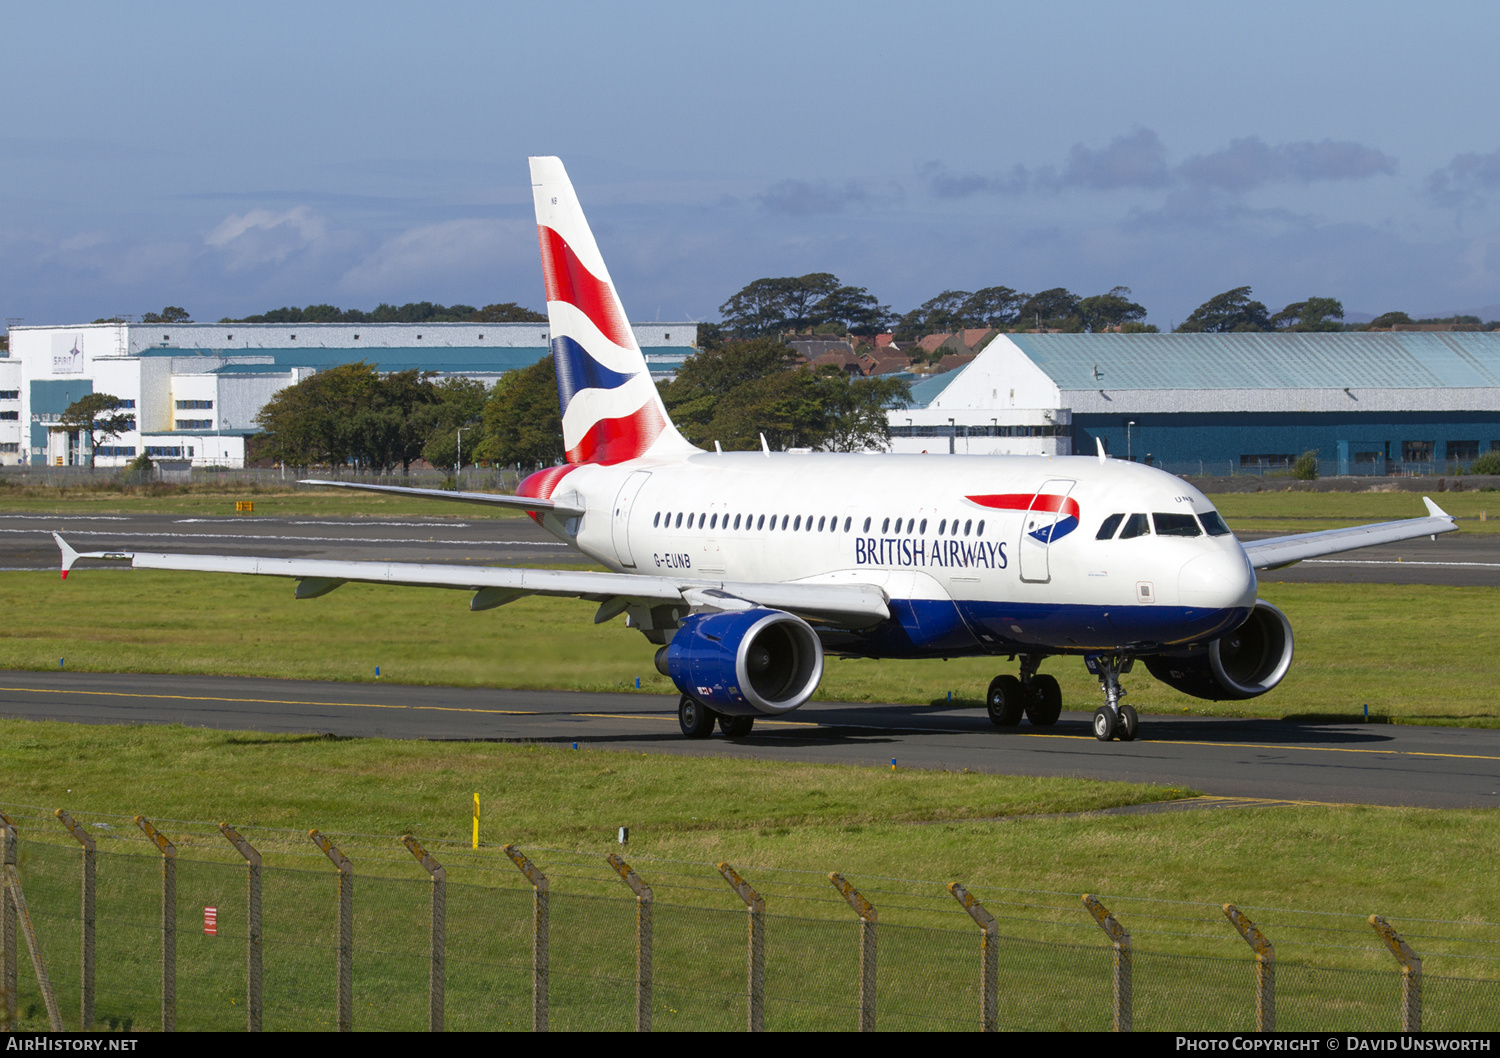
(1036, 529)
(621, 524)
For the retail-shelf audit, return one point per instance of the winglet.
(69, 556)
(1434, 510)
(765, 447)
(1099, 441)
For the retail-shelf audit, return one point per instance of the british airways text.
(915, 552)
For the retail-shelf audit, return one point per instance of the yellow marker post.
(244, 506)
(476, 820)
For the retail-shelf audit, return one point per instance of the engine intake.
(744, 663)
(1245, 663)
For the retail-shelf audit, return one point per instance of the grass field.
(220, 499)
(1308, 875)
(1306, 512)
(1397, 649)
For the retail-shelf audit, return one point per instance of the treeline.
(820, 303)
(411, 312)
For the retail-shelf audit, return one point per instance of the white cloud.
(435, 255)
(262, 237)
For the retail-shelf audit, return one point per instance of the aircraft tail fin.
(611, 411)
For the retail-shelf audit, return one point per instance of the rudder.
(611, 411)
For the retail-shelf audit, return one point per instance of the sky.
(231, 159)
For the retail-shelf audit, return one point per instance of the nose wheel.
(1113, 719)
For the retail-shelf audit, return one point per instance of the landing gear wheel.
(1129, 724)
(1046, 701)
(1006, 701)
(1104, 723)
(736, 726)
(697, 719)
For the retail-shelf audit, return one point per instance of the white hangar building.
(196, 388)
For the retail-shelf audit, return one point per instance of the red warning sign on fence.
(211, 921)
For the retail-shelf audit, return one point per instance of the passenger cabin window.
(736, 521)
(1176, 525)
(848, 522)
(1107, 530)
(867, 525)
(979, 531)
(798, 523)
(885, 527)
(761, 524)
(923, 527)
(657, 520)
(966, 527)
(679, 521)
(1136, 525)
(942, 527)
(1213, 523)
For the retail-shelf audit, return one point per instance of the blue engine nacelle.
(1245, 663)
(746, 662)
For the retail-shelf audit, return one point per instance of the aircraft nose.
(1217, 580)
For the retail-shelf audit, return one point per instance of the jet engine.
(745, 662)
(1245, 663)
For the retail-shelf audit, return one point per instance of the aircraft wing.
(494, 499)
(844, 605)
(1284, 550)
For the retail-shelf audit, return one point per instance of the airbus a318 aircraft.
(747, 568)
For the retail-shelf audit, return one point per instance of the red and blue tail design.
(1065, 506)
(610, 408)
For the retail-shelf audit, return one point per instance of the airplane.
(745, 569)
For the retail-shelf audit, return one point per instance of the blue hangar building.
(1374, 402)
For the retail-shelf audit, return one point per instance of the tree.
(856, 407)
(350, 414)
(992, 307)
(506, 312)
(522, 424)
(1314, 314)
(770, 306)
(459, 406)
(1104, 311)
(938, 315)
(1056, 309)
(170, 314)
(1232, 310)
(97, 416)
(1389, 320)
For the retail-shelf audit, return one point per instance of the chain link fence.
(187, 932)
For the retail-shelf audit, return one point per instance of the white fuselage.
(938, 535)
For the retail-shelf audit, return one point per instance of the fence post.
(539, 969)
(33, 945)
(7, 930)
(756, 967)
(642, 893)
(867, 919)
(437, 947)
(1265, 969)
(253, 935)
(168, 923)
(86, 954)
(989, 966)
(346, 930)
(1411, 974)
(1120, 938)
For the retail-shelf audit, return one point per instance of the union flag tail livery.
(611, 412)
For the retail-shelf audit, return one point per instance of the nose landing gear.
(1112, 719)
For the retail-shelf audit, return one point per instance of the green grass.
(1409, 652)
(1308, 875)
(1307, 512)
(220, 500)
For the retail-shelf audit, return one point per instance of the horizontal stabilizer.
(494, 499)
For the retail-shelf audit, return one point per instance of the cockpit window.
(1107, 530)
(1213, 523)
(1176, 525)
(1136, 525)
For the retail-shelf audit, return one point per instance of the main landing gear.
(1038, 697)
(697, 720)
(1112, 719)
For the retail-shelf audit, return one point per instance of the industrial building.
(1367, 402)
(196, 388)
